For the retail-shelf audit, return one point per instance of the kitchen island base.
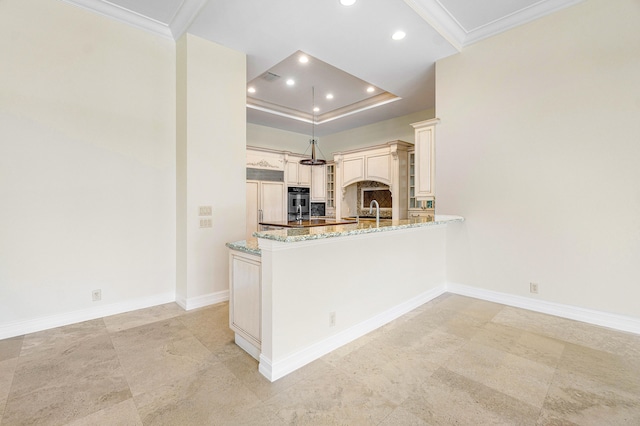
(320, 291)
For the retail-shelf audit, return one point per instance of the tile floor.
(454, 360)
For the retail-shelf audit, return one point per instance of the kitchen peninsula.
(296, 294)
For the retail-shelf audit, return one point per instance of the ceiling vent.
(269, 76)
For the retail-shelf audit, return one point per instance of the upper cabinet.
(331, 189)
(296, 174)
(386, 164)
(374, 163)
(425, 150)
(318, 183)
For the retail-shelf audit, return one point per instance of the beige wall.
(538, 148)
(87, 161)
(90, 112)
(398, 128)
(372, 134)
(211, 160)
(269, 137)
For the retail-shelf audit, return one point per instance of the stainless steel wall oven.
(298, 203)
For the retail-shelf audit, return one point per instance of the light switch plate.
(206, 223)
(204, 211)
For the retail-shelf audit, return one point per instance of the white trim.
(247, 346)
(451, 30)
(274, 371)
(204, 300)
(590, 316)
(265, 367)
(18, 328)
(441, 21)
(181, 20)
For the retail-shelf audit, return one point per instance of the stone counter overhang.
(363, 227)
(292, 235)
(249, 246)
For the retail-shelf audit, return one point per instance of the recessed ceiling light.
(316, 109)
(398, 35)
(347, 2)
(303, 59)
(290, 82)
(370, 89)
(251, 89)
(329, 96)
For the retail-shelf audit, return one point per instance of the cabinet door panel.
(379, 168)
(304, 174)
(291, 173)
(318, 183)
(245, 297)
(272, 201)
(424, 168)
(352, 170)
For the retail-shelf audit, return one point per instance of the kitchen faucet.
(377, 212)
(299, 213)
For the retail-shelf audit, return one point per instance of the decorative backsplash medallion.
(382, 196)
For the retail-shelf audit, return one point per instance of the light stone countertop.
(291, 235)
(249, 246)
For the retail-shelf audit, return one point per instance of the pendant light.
(313, 161)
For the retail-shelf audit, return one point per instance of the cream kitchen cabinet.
(370, 164)
(245, 300)
(331, 188)
(386, 163)
(417, 208)
(264, 159)
(266, 201)
(296, 174)
(318, 184)
(425, 150)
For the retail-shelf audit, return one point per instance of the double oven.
(298, 204)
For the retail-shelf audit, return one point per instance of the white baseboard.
(247, 346)
(18, 328)
(204, 300)
(604, 319)
(275, 370)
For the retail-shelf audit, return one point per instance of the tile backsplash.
(382, 196)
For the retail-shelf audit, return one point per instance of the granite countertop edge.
(249, 246)
(297, 234)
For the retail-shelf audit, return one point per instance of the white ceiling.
(350, 47)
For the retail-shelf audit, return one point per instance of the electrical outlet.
(96, 295)
(533, 288)
(332, 319)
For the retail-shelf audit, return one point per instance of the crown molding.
(283, 111)
(443, 21)
(184, 15)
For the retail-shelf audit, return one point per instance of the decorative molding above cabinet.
(261, 158)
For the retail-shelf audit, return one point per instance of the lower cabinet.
(266, 201)
(245, 300)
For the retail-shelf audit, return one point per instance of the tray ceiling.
(350, 47)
